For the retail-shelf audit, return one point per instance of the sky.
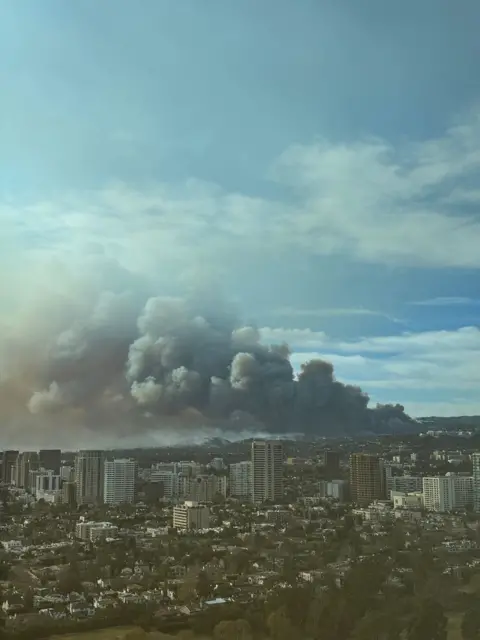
(318, 162)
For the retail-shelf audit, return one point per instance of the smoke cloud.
(118, 363)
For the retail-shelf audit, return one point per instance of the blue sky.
(317, 161)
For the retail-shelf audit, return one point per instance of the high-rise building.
(267, 470)
(170, 481)
(51, 459)
(241, 479)
(218, 464)
(338, 490)
(449, 492)
(406, 484)
(203, 488)
(67, 473)
(30, 462)
(367, 482)
(438, 493)
(26, 462)
(69, 493)
(119, 484)
(476, 481)
(191, 516)
(331, 462)
(89, 472)
(462, 491)
(188, 467)
(9, 460)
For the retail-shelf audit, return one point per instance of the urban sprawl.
(273, 536)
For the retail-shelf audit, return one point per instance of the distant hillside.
(445, 423)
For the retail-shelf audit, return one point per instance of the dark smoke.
(178, 357)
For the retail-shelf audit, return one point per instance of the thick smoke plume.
(138, 366)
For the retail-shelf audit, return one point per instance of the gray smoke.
(180, 357)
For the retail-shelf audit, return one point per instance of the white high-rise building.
(449, 492)
(267, 470)
(241, 479)
(119, 481)
(89, 470)
(338, 490)
(476, 481)
(438, 493)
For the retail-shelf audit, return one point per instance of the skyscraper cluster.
(371, 479)
(92, 479)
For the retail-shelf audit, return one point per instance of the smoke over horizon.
(125, 365)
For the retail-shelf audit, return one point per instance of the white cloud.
(292, 312)
(305, 339)
(382, 203)
(446, 301)
(367, 199)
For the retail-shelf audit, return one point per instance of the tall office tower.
(26, 461)
(476, 481)
(51, 459)
(170, 481)
(119, 485)
(241, 479)
(69, 493)
(367, 482)
(389, 479)
(89, 471)
(267, 470)
(331, 462)
(202, 488)
(197, 489)
(188, 467)
(9, 460)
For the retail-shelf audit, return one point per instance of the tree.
(279, 625)
(28, 600)
(233, 630)
(186, 591)
(377, 625)
(136, 634)
(69, 580)
(4, 570)
(471, 624)
(429, 622)
(204, 586)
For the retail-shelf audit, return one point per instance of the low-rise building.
(403, 500)
(94, 531)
